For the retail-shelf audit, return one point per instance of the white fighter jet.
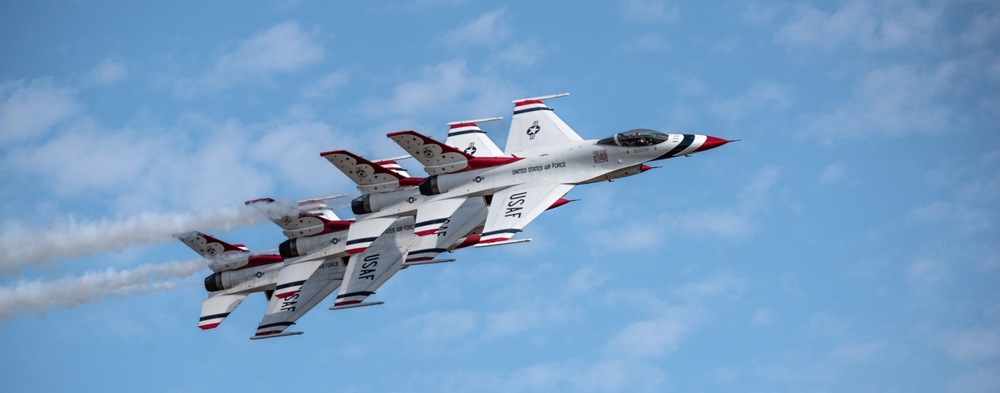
(438, 232)
(293, 286)
(543, 160)
(382, 233)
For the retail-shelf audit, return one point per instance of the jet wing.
(300, 287)
(216, 308)
(444, 226)
(535, 125)
(514, 207)
(431, 215)
(372, 267)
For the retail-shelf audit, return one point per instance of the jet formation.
(475, 194)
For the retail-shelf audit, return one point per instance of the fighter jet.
(237, 273)
(438, 231)
(544, 158)
(293, 286)
(382, 233)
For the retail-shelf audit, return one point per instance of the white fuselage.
(578, 163)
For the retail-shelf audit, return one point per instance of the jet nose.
(711, 142)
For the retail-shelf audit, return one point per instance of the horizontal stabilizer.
(369, 176)
(216, 308)
(365, 304)
(284, 334)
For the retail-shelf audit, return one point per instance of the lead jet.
(441, 227)
(544, 158)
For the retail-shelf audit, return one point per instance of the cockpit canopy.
(635, 138)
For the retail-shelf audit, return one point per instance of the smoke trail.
(39, 297)
(20, 247)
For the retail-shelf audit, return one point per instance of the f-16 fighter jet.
(439, 226)
(292, 286)
(543, 160)
(382, 233)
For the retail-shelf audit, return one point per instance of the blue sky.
(848, 242)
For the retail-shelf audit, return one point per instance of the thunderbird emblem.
(533, 130)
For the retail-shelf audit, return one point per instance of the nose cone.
(710, 143)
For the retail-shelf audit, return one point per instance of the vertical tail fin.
(466, 136)
(535, 125)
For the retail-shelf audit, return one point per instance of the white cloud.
(893, 101)
(984, 28)
(513, 321)
(732, 221)
(927, 274)
(441, 325)
(762, 96)
(613, 375)
(446, 89)
(886, 26)
(832, 173)
(762, 317)
(649, 42)
(858, 352)
(281, 49)
(980, 380)
(652, 338)
(962, 216)
(489, 29)
(520, 54)
(326, 86)
(107, 72)
(721, 283)
(969, 344)
(40, 297)
(650, 11)
(584, 280)
(29, 109)
(660, 336)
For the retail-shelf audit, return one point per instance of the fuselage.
(574, 163)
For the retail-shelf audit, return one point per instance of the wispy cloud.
(29, 109)
(892, 101)
(489, 29)
(41, 297)
(280, 49)
(865, 25)
(446, 89)
(107, 72)
(650, 11)
(733, 220)
(763, 95)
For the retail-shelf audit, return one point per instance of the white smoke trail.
(21, 247)
(41, 296)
